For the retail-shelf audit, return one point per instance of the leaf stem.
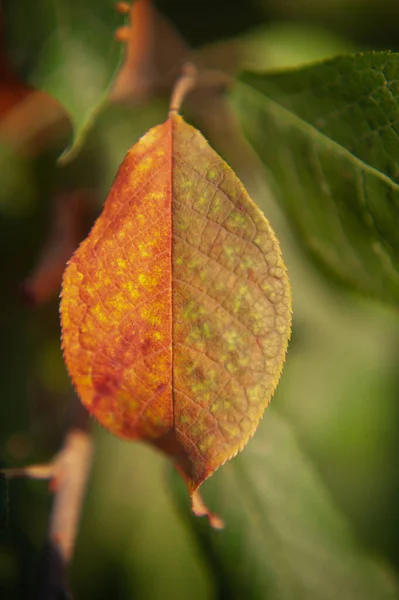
(185, 84)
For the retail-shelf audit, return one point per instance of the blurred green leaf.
(280, 45)
(284, 539)
(67, 49)
(117, 128)
(329, 135)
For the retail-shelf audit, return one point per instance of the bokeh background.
(339, 394)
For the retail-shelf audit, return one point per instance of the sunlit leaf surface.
(176, 309)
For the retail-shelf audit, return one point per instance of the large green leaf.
(284, 539)
(329, 134)
(66, 48)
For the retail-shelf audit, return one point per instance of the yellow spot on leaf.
(148, 281)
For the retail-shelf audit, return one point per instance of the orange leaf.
(176, 309)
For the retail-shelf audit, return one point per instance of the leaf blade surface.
(176, 309)
(327, 133)
(70, 52)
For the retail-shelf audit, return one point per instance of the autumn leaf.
(176, 308)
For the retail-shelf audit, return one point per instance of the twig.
(71, 470)
(68, 473)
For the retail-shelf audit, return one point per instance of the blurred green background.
(339, 392)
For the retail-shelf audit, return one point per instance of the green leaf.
(329, 134)
(280, 45)
(67, 49)
(284, 539)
